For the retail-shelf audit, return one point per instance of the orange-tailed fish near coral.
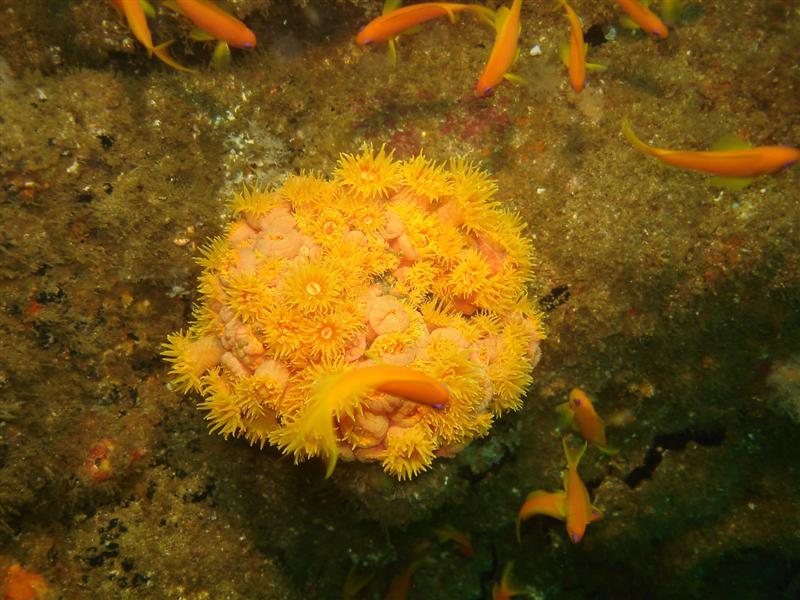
(579, 509)
(396, 20)
(539, 502)
(741, 162)
(505, 589)
(213, 23)
(401, 584)
(577, 49)
(644, 17)
(342, 394)
(505, 50)
(217, 23)
(135, 12)
(448, 533)
(579, 414)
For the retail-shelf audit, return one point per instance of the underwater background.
(674, 302)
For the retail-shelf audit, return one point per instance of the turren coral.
(378, 316)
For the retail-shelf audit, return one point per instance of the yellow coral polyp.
(369, 173)
(190, 357)
(311, 285)
(408, 452)
(380, 315)
(255, 201)
(425, 180)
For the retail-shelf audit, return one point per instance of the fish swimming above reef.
(505, 589)
(571, 505)
(734, 160)
(643, 17)
(504, 51)
(396, 20)
(213, 23)
(579, 414)
(135, 13)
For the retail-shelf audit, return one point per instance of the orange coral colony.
(381, 315)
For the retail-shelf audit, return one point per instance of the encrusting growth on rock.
(378, 316)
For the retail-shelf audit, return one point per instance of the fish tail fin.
(161, 52)
(627, 131)
(573, 456)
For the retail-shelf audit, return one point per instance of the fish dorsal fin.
(563, 53)
(391, 5)
(730, 142)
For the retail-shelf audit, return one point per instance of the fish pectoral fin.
(563, 53)
(628, 23)
(172, 5)
(566, 419)
(608, 451)
(198, 35)
(596, 67)
(733, 184)
(414, 29)
(487, 15)
(500, 17)
(515, 79)
(451, 14)
(393, 52)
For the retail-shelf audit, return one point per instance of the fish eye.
(576, 401)
(575, 537)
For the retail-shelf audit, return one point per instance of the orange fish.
(448, 533)
(579, 413)
(394, 22)
(577, 50)
(341, 393)
(137, 22)
(742, 163)
(504, 51)
(214, 21)
(505, 589)
(579, 509)
(401, 584)
(644, 17)
(21, 584)
(550, 504)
